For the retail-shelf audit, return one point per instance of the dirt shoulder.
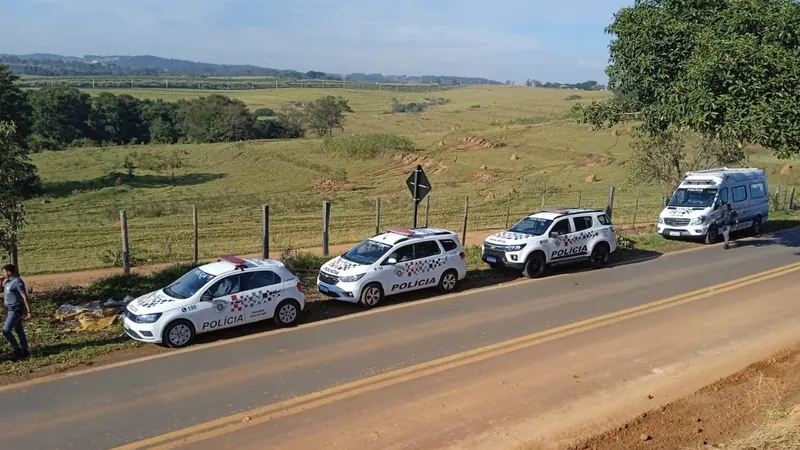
(751, 409)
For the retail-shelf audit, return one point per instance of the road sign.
(420, 187)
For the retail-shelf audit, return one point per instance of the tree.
(215, 118)
(61, 114)
(264, 112)
(728, 69)
(118, 119)
(17, 171)
(293, 117)
(666, 157)
(14, 107)
(161, 118)
(326, 113)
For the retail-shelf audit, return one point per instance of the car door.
(261, 292)
(584, 236)
(429, 264)
(396, 277)
(556, 244)
(216, 308)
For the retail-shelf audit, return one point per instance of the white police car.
(396, 261)
(552, 237)
(223, 294)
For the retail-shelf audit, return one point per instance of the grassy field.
(532, 149)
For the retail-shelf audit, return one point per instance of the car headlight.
(148, 318)
(699, 220)
(660, 220)
(514, 248)
(352, 278)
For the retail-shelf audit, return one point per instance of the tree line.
(589, 85)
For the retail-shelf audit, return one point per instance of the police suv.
(223, 294)
(552, 237)
(395, 261)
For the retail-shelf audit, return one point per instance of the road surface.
(484, 368)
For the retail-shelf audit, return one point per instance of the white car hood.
(679, 212)
(155, 302)
(341, 267)
(508, 238)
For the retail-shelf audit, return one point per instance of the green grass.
(75, 227)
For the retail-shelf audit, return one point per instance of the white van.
(696, 204)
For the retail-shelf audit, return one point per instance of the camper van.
(696, 205)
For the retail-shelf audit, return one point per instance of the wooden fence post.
(326, 223)
(377, 215)
(785, 196)
(195, 227)
(466, 214)
(544, 194)
(791, 201)
(636, 207)
(265, 231)
(427, 210)
(580, 197)
(508, 208)
(610, 206)
(126, 254)
(777, 198)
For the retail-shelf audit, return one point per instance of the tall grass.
(368, 146)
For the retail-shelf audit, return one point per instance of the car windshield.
(188, 285)
(532, 225)
(367, 252)
(693, 197)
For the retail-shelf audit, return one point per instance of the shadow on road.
(788, 238)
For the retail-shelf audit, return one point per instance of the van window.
(757, 190)
(582, 223)
(739, 194)
(723, 195)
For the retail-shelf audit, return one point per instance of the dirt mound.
(489, 197)
(786, 170)
(591, 178)
(482, 177)
(410, 161)
(514, 157)
(483, 143)
(324, 185)
(592, 160)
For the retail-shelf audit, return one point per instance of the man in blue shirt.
(18, 307)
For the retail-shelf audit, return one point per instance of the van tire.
(712, 235)
(534, 265)
(757, 226)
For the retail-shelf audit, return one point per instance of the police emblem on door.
(398, 271)
(219, 306)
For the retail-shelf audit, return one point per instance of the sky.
(546, 40)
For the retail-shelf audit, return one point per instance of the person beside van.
(18, 308)
(728, 219)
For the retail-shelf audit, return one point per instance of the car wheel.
(448, 281)
(179, 334)
(757, 226)
(712, 235)
(599, 257)
(534, 265)
(287, 313)
(371, 295)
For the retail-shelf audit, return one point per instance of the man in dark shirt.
(18, 307)
(728, 219)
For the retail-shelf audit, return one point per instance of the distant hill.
(49, 65)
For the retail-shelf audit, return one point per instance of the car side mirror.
(391, 261)
(554, 234)
(206, 297)
(666, 202)
(717, 204)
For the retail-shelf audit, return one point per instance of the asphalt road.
(121, 405)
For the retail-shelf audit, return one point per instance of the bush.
(367, 146)
(416, 107)
(39, 143)
(573, 97)
(305, 265)
(118, 286)
(475, 107)
(264, 112)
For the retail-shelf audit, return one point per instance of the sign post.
(420, 187)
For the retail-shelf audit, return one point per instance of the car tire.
(178, 334)
(757, 226)
(287, 313)
(712, 235)
(534, 265)
(371, 295)
(449, 281)
(599, 257)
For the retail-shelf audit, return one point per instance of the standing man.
(729, 218)
(18, 307)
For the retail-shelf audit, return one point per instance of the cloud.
(500, 39)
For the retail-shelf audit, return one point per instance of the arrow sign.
(420, 187)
